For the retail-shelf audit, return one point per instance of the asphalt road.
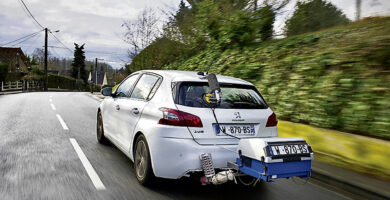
(38, 161)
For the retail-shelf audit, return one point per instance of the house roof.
(9, 53)
(100, 77)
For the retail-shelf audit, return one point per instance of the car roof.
(191, 76)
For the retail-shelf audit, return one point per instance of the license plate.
(235, 129)
(289, 149)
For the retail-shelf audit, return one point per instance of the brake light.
(272, 121)
(179, 118)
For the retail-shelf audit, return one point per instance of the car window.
(144, 86)
(233, 96)
(124, 89)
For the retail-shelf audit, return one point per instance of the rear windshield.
(233, 96)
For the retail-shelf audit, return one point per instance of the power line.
(31, 15)
(104, 52)
(32, 43)
(55, 53)
(21, 38)
(60, 42)
(57, 47)
(25, 39)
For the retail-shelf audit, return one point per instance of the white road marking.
(87, 165)
(50, 100)
(52, 106)
(64, 126)
(95, 97)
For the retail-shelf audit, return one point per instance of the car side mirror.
(106, 91)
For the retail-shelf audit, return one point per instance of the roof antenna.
(208, 69)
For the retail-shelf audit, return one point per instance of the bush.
(14, 76)
(36, 71)
(337, 79)
(96, 88)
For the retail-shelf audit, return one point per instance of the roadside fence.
(20, 85)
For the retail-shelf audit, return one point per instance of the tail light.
(179, 118)
(272, 121)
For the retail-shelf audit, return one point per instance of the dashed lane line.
(63, 124)
(87, 165)
(53, 107)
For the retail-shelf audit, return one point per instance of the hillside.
(337, 78)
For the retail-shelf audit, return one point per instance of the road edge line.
(87, 166)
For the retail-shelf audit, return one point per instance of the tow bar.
(265, 159)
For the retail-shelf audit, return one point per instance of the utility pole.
(45, 84)
(96, 59)
(358, 9)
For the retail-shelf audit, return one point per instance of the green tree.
(32, 60)
(209, 20)
(91, 68)
(314, 15)
(266, 21)
(213, 14)
(239, 30)
(78, 63)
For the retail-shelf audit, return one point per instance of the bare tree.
(141, 32)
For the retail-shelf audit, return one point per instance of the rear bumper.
(173, 158)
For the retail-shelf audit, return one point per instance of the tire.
(100, 130)
(142, 164)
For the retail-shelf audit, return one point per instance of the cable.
(25, 39)
(31, 15)
(20, 38)
(60, 42)
(102, 52)
(55, 53)
(217, 124)
(246, 184)
(224, 132)
(32, 43)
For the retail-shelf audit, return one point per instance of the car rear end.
(190, 128)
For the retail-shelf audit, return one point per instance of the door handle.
(135, 111)
(117, 107)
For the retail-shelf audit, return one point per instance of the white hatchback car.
(159, 120)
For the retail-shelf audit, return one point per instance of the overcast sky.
(97, 23)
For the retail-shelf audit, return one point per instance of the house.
(15, 58)
(98, 78)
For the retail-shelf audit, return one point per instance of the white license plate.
(235, 129)
(289, 149)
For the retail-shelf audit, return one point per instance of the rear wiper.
(241, 103)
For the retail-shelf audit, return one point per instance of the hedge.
(3, 71)
(61, 82)
(337, 78)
